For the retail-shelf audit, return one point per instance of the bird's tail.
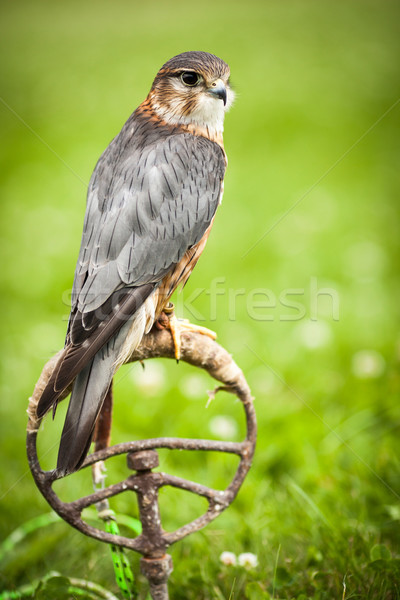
(87, 397)
(88, 393)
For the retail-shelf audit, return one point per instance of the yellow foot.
(177, 326)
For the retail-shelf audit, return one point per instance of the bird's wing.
(146, 207)
(144, 211)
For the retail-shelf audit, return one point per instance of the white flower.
(314, 334)
(193, 387)
(248, 560)
(151, 379)
(228, 558)
(368, 364)
(223, 426)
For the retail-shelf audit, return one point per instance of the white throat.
(209, 112)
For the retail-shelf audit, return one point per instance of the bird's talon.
(179, 326)
(191, 328)
(175, 329)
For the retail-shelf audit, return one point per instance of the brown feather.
(76, 356)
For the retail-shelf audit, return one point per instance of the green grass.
(312, 182)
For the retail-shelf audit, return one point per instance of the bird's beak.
(218, 89)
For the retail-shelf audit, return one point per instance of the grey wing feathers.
(144, 212)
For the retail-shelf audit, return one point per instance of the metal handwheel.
(142, 457)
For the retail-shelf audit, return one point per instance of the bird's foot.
(178, 326)
(168, 320)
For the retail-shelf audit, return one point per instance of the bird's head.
(193, 89)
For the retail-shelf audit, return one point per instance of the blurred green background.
(310, 216)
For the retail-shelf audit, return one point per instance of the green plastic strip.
(123, 573)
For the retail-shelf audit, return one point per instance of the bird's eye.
(189, 78)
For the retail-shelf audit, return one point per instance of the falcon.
(151, 204)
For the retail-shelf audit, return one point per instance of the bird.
(151, 203)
